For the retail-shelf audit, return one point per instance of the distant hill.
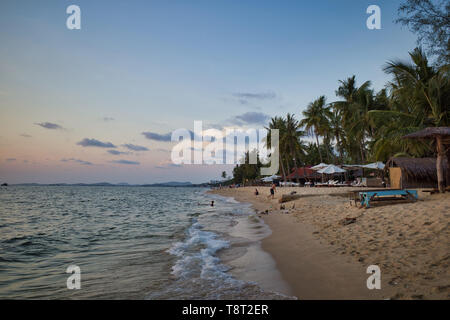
(107, 184)
(99, 184)
(169, 184)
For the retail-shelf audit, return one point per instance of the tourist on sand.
(256, 192)
(272, 190)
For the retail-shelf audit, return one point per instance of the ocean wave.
(197, 254)
(231, 200)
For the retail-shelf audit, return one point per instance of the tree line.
(364, 125)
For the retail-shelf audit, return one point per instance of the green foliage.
(430, 20)
(245, 171)
(420, 98)
(317, 121)
(364, 125)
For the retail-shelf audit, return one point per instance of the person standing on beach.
(272, 190)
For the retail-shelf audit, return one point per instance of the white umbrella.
(319, 166)
(330, 169)
(271, 178)
(376, 165)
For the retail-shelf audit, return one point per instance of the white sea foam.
(197, 254)
(231, 200)
(198, 272)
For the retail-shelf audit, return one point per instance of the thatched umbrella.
(442, 136)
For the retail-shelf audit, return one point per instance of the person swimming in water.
(205, 204)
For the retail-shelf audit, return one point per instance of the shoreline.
(246, 258)
(321, 259)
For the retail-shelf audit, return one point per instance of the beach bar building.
(304, 174)
(441, 138)
(412, 172)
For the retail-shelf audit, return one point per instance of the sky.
(98, 104)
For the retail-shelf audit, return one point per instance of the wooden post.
(441, 157)
(448, 166)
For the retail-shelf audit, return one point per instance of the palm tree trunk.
(361, 147)
(282, 167)
(318, 148)
(295, 163)
(448, 168)
(339, 149)
(328, 151)
(288, 169)
(440, 164)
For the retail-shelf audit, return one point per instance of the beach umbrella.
(319, 166)
(376, 165)
(330, 169)
(267, 179)
(271, 178)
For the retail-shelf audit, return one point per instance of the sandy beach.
(322, 258)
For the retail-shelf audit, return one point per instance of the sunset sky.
(97, 104)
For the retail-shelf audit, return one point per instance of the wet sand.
(320, 258)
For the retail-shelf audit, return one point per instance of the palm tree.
(315, 119)
(423, 86)
(280, 124)
(368, 125)
(355, 122)
(291, 138)
(419, 98)
(337, 131)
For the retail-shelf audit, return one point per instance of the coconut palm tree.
(292, 137)
(315, 119)
(419, 97)
(368, 125)
(337, 130)
(355, 122)
(423, 87)
(280, 124)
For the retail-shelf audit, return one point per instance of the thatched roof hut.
(442, 137)
(431, 133)
(412, 172)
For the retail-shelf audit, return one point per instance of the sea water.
(132, 243)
